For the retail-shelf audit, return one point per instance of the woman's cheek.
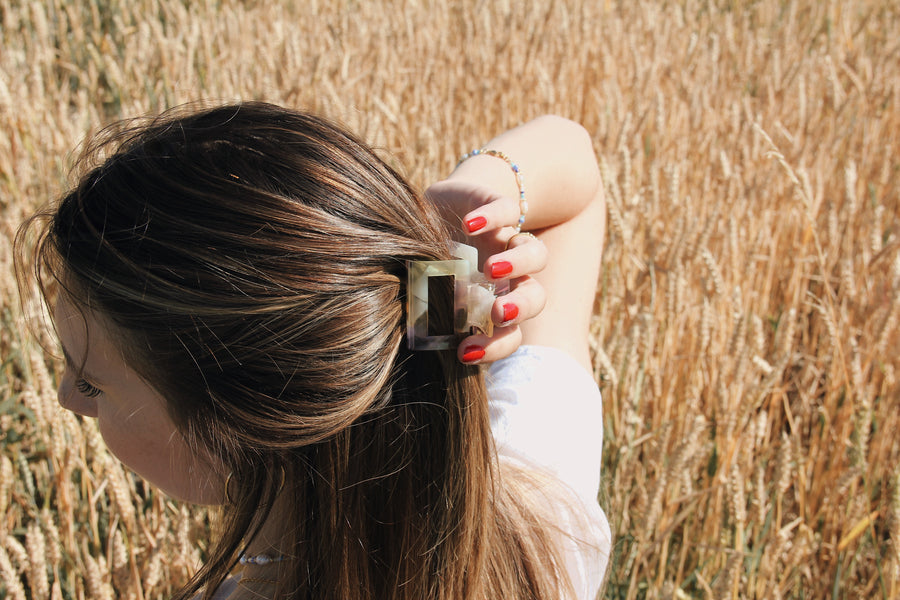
(152, 448)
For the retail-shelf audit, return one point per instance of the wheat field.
(747, 326)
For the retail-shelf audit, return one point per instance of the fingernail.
(500, 268)
(510, 312)
(475, 223)
(472, 353)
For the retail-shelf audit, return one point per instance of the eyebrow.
(81, 370)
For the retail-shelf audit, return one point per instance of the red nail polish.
(500, 268)
(473, 353)
(475, 223)
(510, 312)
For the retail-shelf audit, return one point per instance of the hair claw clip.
(473, 297)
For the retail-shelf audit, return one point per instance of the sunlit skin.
(130, 413)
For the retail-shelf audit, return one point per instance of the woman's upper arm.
(574, 249)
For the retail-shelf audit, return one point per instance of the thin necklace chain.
(261, 559)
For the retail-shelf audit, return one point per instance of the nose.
(80, 404)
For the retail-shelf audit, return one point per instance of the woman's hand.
(486, 219)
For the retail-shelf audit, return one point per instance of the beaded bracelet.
(523, 203)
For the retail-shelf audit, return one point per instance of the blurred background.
(747, 325)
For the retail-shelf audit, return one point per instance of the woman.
(231, 305)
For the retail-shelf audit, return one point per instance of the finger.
(528, 256)
(525, 301)
(482, 349)
(519, 238)
(500, 211)
(455, 199)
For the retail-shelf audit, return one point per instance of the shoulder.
(547, 419)
(547, 408)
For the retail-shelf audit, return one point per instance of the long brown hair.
(251, 261)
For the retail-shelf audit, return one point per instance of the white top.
(546, 412)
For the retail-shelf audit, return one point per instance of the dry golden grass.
(747, 328)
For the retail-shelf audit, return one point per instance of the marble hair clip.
(473, 297)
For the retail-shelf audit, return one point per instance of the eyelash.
(87, 389)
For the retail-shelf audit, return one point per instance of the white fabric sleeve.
(547, 407)
(546, 411)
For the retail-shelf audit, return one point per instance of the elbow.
(577, 145)
(567, 129)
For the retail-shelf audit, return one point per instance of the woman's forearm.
(558, 166)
